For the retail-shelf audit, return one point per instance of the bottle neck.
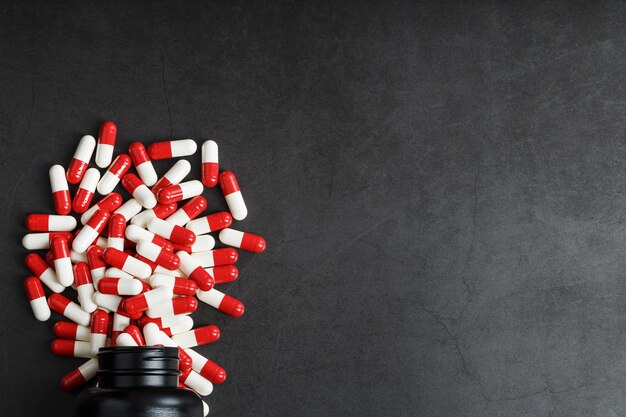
(138, 367)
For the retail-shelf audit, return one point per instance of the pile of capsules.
(138, 267)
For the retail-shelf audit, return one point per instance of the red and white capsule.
(142, 302)
(203, 243)
(189, 211)
(179, 285)
(224, 273)
(80, 161)
(197, 337)
(174, 175)
(62, 261)
(207, 368)
(86, 191)
(142, 163)
(216, 257)
(172, 149)
(232, 194)
(117, 228)
(69, 309)
(97, 266)
(120, 286)
(242, 240)
(50, 223)
(74, 379)
(179, 192)
(114, 174)
(139, 190)
(108, 203)
(127, 263)
(196, 382)
(129, 209)
(90, 232)
(210, 164)
(173, 233)
(60, 190)
(37, 298)
(194, 271)
(99, 330)
(40, 268)
(39, 241)
(160, 210)
(210, 223)
(173, 307)
(136, 234)
(158, 255)
(222, 302)
(71, 331)
(71, 348)
(135, 333)
(106, 144)
(84, 287)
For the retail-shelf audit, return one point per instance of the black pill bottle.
(138, 382)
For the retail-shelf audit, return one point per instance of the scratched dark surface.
(441, 187)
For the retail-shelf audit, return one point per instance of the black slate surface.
(440, 184)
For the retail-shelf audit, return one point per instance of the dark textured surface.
(441, 187)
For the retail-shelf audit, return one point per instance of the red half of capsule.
(206, 334)
(160, 184)
(253, 243)
(37, 222)
(184, 286)
(195, 206)
(168, 260)
(100, 322)
(213, 372)
(99, 220)
(228, 183)
(108, 132)
(182, 236)
(95, 257)
(164, 210)
(60, 248)
(110, 202)
(62, 202)
(58, 303)
(115, 257)
(65, 330)
(117, 226)
(135, 333)
(170, 194)
(63, 347)
(201, 277)
(36, 264)
(184, 305)
(225, 273)
(219, 220)
(72, 381)
(185, 362)
(82, 200)
(33, 288)
(160, 150)
(82, 275)
(75, 171)
(210, 173)
(224, 256)
(231, 306)
(131, 182)
(138, 153)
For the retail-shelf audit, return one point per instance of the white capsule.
(85, 297)
(40, 307)
(84, 239)
(53, 222)
(147, 173)
(129, 209)
(109, 302)
(124, 339)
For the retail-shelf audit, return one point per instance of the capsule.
(216, 257)
(37, 298)
(139, 191)
(124, 339)
(158, 255)
(108, 203)
(210, 223)
(197, 337)
(91, 231)
(142, 163)
(224, 273)
(196, 382)
(81, 158)
(203, 243)
(120, 322)
(129, 209)
(80, 375)
(207, 368)
(232, 194)
(210, 164)
(71, 348)
(184, 362)
(86, 191)
(62, 261)
(72, 331)
(179, 285)
(127, 263)
(243, 240)
(169, 325)
(99, 330)
(114, 174)
(160, 210)
(60, 190)
(174, 175)
(117, 227)
(40, 241)
(179, 192)
(69, 309)
(173, 233)
(137, 234)
(106, 144)
(172, 149)
(97, 266)
(84, 287)
(40, 268)
(173, 307)
(194, 271)
(188, 211)
(120, 286)
(222, 302)
(50, 223)
(139, 303)
(135, 333)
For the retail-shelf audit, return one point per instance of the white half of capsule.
(179, 217)
(58, 182)
(191, 188)
(83, 333)
(203, 258)
(231, 237)
(152, 334)
(97, 341)
(212, 297)
(158, 296)
(136, 234)
(40, 307)
(120, 322)
(162, 280)
(198, 383)
(84, 218)
(90, 180)
(82, 349)
(84, 238)
(65, 272)
(236, 205)
(148, 250)
(175, 272)
(203, 243)
(109, 302)
(58, 223)
(104, 155)
(147, 173)
(107, 183)
(76, 314)
(78, 257)
(178, 171)
(164, 309)
(36, 241)
(209, 152)
(50, 280)
(145, 197)
(88, 369)
(85, 297)
(97, 274)
(199, 226)
(129, 287)
(177, 324)
(124, 339)
(143, 218)
(187, 263)
(137, 268)
(129, 209)
(161, 227)
(115, 242)
(85, 148)
(186, 340)
(183, 147)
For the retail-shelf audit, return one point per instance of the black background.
(441, 186)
